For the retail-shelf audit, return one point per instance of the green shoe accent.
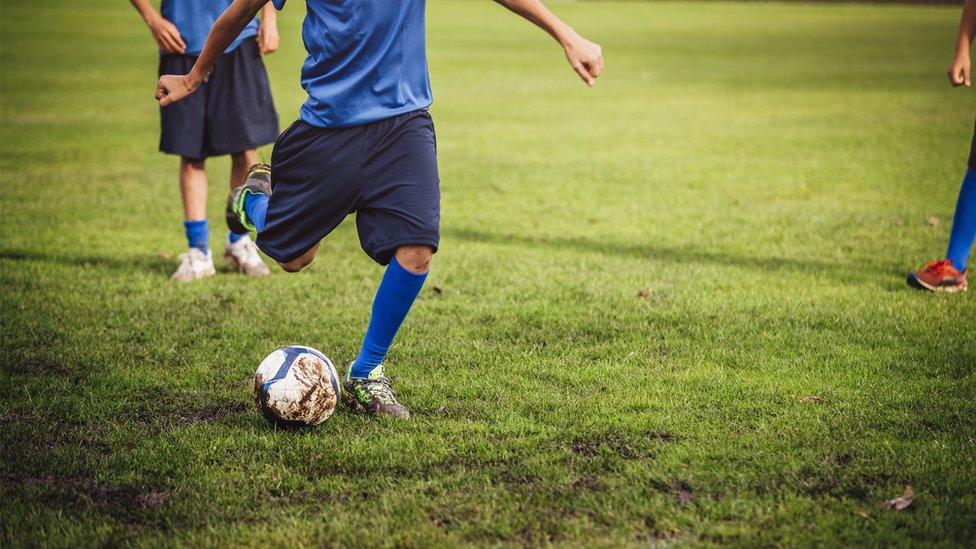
(241, 213)
(258, 181)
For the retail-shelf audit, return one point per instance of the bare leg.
(239, 163)
(193, 187)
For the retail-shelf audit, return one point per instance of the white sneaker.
(243, 257)
(194, 264)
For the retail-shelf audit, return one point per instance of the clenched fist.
(171, 89)
(960, 71)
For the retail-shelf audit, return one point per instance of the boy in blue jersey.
(364, 143)
(949, 274)
(233, 115)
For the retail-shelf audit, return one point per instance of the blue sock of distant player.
(256, 208)
(964, 223)
(393, 299)
(197, 234)
(233, 237)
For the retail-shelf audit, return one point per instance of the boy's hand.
(585, 57)
(268, 37)
(167, 36)
(171, 89)
(960, 72)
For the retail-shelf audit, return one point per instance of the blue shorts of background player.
(233, 113)
(365, 144)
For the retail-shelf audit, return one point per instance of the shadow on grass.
(151, 264)
(641, 250)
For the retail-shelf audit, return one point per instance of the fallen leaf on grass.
(441, 409)
(934, 221)
(809, 399)
(902, 502)
(644, 294)
(437, 290)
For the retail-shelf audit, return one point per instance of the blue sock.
(197, 234)
(392, 303)
(255, 208)
(964, 223)
(233, 237)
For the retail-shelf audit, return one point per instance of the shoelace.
(939, 267)
(382, 389)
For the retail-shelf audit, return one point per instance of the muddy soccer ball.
(296, 386)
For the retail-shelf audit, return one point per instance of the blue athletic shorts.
(230, 112)
(972, 151)
(385, 171)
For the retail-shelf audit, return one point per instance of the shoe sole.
(206, 274)
(920, 284)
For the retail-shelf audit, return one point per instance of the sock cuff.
(197, 233)
(400, 270)
(189, 224)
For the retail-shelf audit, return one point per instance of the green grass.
(762, 173)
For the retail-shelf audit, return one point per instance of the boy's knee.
(294, 265)
(415, 259)
(299, 262)
(194, 163)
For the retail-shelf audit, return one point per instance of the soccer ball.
(296, 386)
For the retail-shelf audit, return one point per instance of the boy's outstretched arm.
(960, 71)
(584, 56)
(225, 30)
(166, 34)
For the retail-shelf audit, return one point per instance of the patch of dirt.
(152, 500)
(95, 444)
(517, 479)
(125, 502)
(40, 364)
(681, 490)
(210, 413)
(625, 448)
(667, 538)
(587, 483)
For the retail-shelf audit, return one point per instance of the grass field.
(669, 309)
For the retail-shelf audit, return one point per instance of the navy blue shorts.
(385, 171)
(230, 112)
(972, 151)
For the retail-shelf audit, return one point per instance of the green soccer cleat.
(372, 395)
(258, 181)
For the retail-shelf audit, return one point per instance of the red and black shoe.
(939, 276)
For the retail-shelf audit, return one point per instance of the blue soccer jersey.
(366, 61)
(193, 18)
